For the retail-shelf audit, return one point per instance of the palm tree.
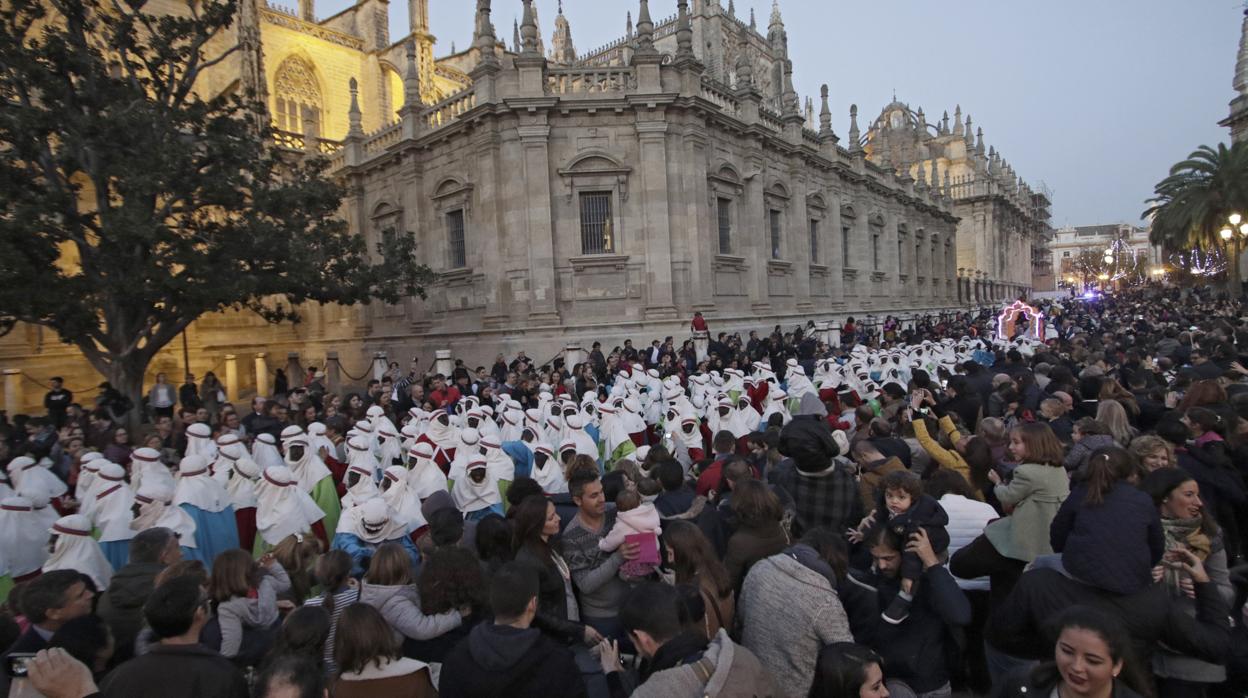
(1193, 204)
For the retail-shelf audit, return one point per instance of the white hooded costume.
(76, 550)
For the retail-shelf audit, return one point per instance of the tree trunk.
(126, 375)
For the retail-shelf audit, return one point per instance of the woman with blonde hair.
(1112, 414)
(1153, 452)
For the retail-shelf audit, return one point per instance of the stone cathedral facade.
(570, 197)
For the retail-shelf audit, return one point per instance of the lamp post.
(1236, 223)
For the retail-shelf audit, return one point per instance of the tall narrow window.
(875, 251)
(725, 226)
(773, 217)
(597, 236)
(814, 241)
(845, 245)
(458, 257)
(901, 256)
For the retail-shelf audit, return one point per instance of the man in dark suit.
(49, 601)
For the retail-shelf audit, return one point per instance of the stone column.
(231, 377)
(263, 387)
(697, 224)
(757, 247)
(656, 224)
(444, 363)
(837, 260)
(543, 305)
(798, 243)
(294, 371)
(333, 372)
(486, 223)
(13, 391)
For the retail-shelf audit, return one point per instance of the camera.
(18, 664)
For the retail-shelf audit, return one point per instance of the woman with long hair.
(847, 670)
(759, 533)
(693, 561)
(1112, 414)
(388, 587)
(1092, 658)
(244, 593)
(339, 590)
(370, 661)
(534, 525)
(1187, 526)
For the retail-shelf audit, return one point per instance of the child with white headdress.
(264, 452)
(73, 548)
(154, 508)
(401, 499)
(425, 477)
(23, 540)
(365, 528)
(476, 490)
(146, 466)
(112, 512)
(314, 478)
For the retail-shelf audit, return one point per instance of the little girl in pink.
(633, 517)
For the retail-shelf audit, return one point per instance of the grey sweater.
(789, 612)
(259, 612)
(594, 572)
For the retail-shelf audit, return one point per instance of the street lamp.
(1226, 233)
(1235, 218)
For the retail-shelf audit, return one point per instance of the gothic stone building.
(563, 197)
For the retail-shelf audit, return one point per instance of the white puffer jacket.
(967, 518)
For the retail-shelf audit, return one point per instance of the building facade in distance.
(570, 197)
(1079, 255)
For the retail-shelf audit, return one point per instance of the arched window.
(295, 90)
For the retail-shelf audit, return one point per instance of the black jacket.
(552, 602)
(808, 441)
(499, 660)
(915, 650)
(1113, 545)
(1030, 682)
(121, 605)
(186, 671)
(1150, 616)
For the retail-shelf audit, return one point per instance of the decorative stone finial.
(825, 115)
(745, 71)
(354, 118)
(684, 30)
(957, 121)
(855, 137)
(753, 24)
(979, 142)
(528, 31)
(411, 80)
(645, 29)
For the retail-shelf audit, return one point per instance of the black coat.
(1150, 616)
(1113, 545)
(916, 650)
(808, 441)
(186, 671)
(499, 660)
(552, 602)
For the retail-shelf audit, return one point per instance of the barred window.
(814, 241)
(597, 236)
(458, 258)
(725, 226)
(774, 218)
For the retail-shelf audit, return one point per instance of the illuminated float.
(1007, 321)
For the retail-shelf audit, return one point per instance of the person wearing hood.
(823, 490)
(365, 528)
(112, 513)
(477, 490)
(241, 488)
(283, 509)
(199, 441)
(790, 608)
(208, 503)
(73, 548)
(146, 467)
(23, 540)
(402, 499)
(424, 476)
(509, 657)
(264, 452)
(314, 478)
(154, 507)
(682, 663)
(443, 437)
(32, 478)
(360, 488)
(547, 471)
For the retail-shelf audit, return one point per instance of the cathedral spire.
(855, 137)
(744, 68)
(515, 35)
(307, 10)
(790, 102)
(922, 121)
(957, 121)
(561, 43)
(418, 16)
(810, 113)
(753, 24)
(775, 14)
(944, 124)
(1241, 65)
(969, 133)
(732, 8)
(979, 142)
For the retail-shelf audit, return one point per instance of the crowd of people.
(905, 509)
